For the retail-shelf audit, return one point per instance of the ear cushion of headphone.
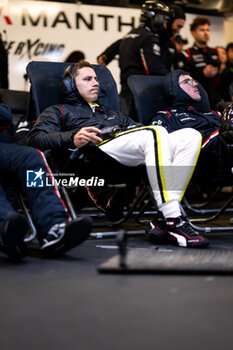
(158, 20)
(68, 83)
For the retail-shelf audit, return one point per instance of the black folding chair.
(148, 100)
(46, 83)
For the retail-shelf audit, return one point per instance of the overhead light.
(186, 2)
(181, 2)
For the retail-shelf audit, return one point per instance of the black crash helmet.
(154, 13)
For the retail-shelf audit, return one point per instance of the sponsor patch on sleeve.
(156, 50)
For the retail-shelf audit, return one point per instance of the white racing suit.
(170, 160)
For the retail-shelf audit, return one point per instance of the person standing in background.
(200, 60)
(75, 57)
(227, 75)
(179, 42)
(222, 54)
(146, 49)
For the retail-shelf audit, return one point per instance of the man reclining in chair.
(184, 97)
(56, 233)
(81, 119)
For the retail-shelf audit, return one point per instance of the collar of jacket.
(197, 48)
(74, 98)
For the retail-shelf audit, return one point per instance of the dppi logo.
(6, 18)
(35, 178)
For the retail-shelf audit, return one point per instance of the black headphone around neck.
(68, 82)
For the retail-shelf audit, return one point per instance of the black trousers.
(19, 166)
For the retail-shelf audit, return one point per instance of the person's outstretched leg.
(152, 146)
(186, 147)
(55, 230)
(13, 228)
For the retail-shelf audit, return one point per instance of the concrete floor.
(67, 304)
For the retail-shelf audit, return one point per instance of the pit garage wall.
(228, 28)
(49, 31)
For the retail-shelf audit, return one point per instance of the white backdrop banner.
(50, 31)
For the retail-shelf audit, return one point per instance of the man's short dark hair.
(75, 56)
(78, 66)
(199, 21)
(229, 46)
(178, 39)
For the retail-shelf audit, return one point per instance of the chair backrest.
(148, 98)
(46, 85)
(17, 100)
